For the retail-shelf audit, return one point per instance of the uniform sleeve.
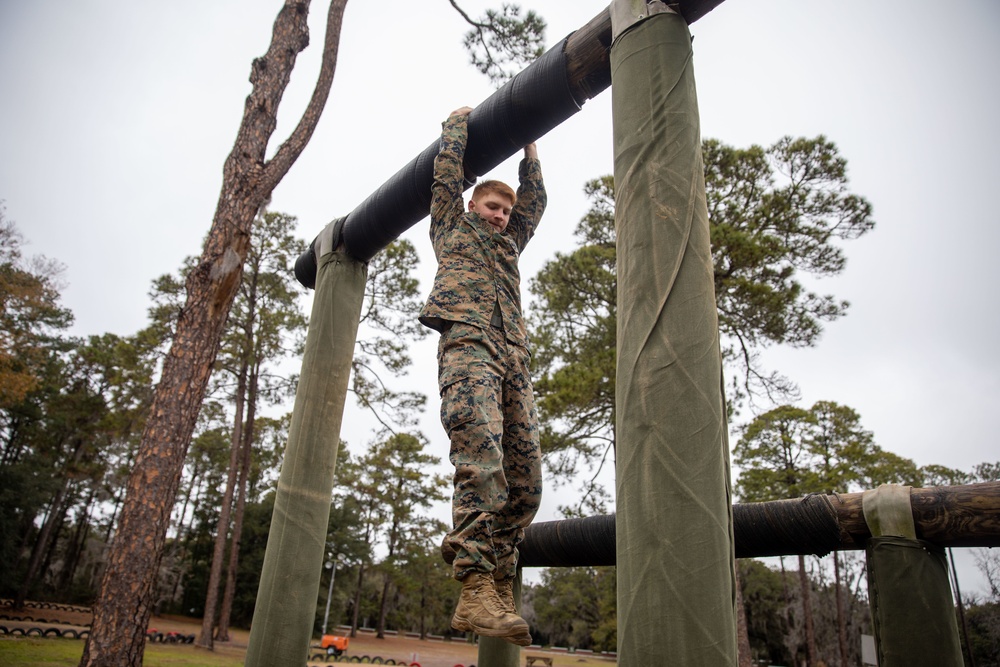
(531, 201)
(449, 176)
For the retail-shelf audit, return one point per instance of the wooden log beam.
(949, 516)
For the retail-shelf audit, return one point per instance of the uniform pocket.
(457, 401)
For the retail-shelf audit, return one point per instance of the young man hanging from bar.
(487, 406)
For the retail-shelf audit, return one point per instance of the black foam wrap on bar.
(806, 525)
(525, 108)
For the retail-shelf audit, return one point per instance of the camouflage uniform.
(487, 406)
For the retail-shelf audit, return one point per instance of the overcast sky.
(117, 118)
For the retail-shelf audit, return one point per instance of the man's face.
(493, 208)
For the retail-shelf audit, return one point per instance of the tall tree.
(392, 484)
(124, 605)
(265, 325)
(407, 491)
(501, 42)
(576, 606)
(427, 593)
(386, 331)
(838, 444)
(33, 380)
(774, 214)
(775, 460)
(788, 452)
(31, 317)
(79, 423)
(573, 330)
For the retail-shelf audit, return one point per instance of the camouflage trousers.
(488, 411)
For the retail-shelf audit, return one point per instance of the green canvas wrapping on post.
(676, 576)
(289, 583)
(911, 603)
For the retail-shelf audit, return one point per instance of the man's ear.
(472, 204)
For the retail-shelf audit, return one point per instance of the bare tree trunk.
(841, 620)
(807, 617)
(423, 610)
(123, 606)
(961, 610)
(744, 657)
(113, 519)
(357, 600)
(222, 530)
(222, 633)
(75, 547)
(50, 551)
(382, 607)
(181, 533)
(56, 511)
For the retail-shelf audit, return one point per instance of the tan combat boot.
(505, 590)
(480, 610)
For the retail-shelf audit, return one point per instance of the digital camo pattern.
(477, 267)
(488, 410)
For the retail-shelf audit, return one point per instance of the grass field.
(36, 651)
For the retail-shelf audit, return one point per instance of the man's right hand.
(463, 111)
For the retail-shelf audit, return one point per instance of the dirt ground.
(402, 650)
(437, 653)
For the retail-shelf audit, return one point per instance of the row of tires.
(377, 660)
(366, 659)
(32, 619)
(70, 633)
(51, 605)
(44, 632)
(169, 638)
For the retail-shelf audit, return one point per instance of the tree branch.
(289, 151)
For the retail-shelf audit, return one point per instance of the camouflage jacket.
(477, 266)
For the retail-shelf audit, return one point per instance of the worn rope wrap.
(805, 525)
(574, 542)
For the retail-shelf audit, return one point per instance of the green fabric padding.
(676, 576)
(286, 600)
(911, 604)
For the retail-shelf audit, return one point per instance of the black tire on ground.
(377, 660)
(53, 632)
(84, 634)
(33, 632)
(70, 634)
(3, 629)
(17, 632)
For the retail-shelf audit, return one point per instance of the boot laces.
(487, 593)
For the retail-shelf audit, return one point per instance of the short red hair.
(495, 187)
